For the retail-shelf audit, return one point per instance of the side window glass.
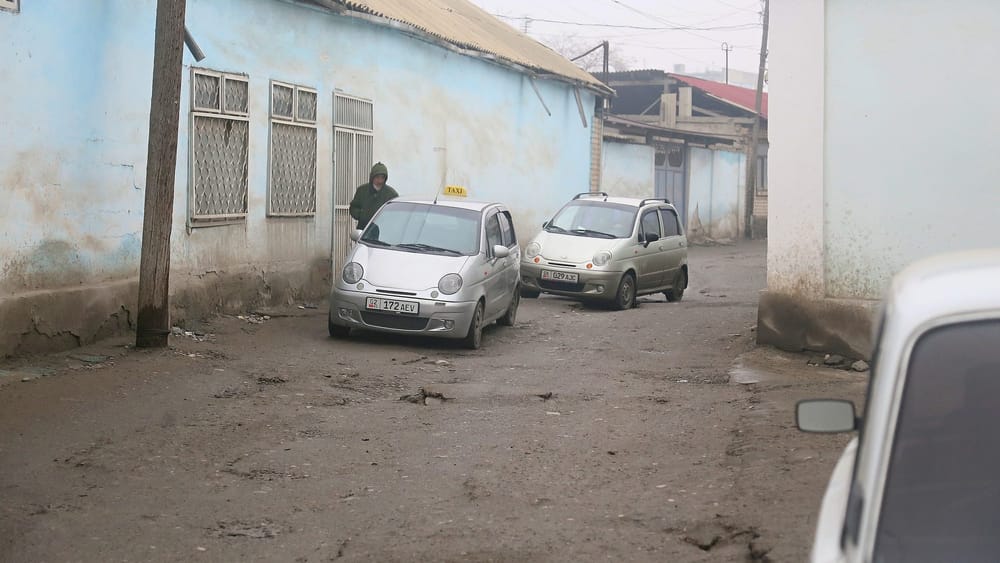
(650, 224)
(946, 451)
(507, 229)
(670, 226)
(493, 236)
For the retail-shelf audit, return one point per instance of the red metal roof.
(736, 95)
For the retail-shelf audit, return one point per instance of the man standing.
(368, 198)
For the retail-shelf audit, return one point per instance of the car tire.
(337, 331)
(530, 293)
(676, 293)
(510, 316)
(474, 338)
(625, 297)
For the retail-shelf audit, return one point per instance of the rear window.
(942, 492)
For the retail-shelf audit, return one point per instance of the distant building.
(687, 139)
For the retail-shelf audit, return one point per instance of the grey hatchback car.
(438, 268)
(610, 249)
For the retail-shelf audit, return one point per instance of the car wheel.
(676, 293)
(510, 316)
(625, 298)
(530, 293)
(474, 338)
(338, 331)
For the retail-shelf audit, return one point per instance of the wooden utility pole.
(751, 188)
(153, 320)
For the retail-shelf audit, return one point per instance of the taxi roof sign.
(456, 191)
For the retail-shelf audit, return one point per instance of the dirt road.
(580, 434)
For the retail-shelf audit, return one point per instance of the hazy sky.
(707, 23)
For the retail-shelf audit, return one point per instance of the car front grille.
(388, 320)
(560, 286)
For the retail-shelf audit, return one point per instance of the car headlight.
(602, 258)
(533, 249)
(450, 284)
(353, 272)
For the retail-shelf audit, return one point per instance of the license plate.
(560, 276)
(392, 305)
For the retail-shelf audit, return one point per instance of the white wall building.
(881, 152)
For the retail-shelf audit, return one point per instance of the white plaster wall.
(628, 170)
(795, 157)
(911, 123)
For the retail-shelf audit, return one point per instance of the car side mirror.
(651, 238)
(825, 416)
(356, 235)
(501, 251)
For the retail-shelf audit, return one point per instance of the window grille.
(220, 141)
(293, 152)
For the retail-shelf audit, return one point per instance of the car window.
(942, 492)
(650, 224)
(671, 227)
(594, 219)
(507, 229)
(493, 236)
(424, 225)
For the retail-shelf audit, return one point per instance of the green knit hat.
(377, 169)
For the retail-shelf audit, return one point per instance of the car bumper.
(443, 319)
(591, 284)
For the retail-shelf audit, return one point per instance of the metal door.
(670, 178)
(353, 156)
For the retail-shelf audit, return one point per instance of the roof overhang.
(503, 46)
(625, 126)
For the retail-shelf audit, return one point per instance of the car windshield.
(421, 227)
(594, 219)
(942, 493)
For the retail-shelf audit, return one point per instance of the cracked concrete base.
(50, 321)
(40, 322)
(794, 324)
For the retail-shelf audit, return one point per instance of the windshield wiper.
(427, 248)
(376, 241)
(555, 229)
(594, 233)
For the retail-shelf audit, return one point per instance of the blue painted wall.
(628, 170)
(716, 182)
(76, 79)
(73, 154)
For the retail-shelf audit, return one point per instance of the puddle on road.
(740, 374)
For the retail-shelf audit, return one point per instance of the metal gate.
(353, 156)
(670, 179)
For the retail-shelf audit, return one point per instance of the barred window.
(10, 5)
(220, 142)
(293, 153)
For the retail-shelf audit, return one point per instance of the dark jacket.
(367, 201)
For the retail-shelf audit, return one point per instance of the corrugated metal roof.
(468, 26)
(745, 98)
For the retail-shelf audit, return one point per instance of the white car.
(921, 481)
(436, 268)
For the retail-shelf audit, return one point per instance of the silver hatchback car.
(438, 268)
(610, 249)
